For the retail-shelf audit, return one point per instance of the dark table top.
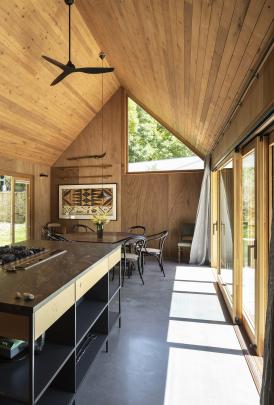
(46, 278)
(91, 237)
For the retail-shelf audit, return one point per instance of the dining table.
(92, 237)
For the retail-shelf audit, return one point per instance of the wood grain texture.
(159, 202)
(258, 99)
(41, 192)
(185, 61)
(90, 142)
(38, 122)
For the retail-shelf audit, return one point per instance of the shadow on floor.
(177, 346)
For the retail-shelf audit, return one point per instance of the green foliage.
(149, 140)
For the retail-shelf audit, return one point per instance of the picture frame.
(81, 201)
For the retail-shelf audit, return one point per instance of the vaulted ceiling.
(185, 61)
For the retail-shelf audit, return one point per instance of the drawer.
(88, 280)
(45, 316)
(114, 258)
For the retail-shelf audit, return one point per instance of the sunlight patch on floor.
(194, 287)
(196, 306)
(202, 334)
(205, 363)
(194, 273)
(206, 378)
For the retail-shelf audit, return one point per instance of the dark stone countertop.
(47, 278)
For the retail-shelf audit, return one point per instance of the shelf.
(87, 312)
(54, 396)
(113, 290)
(88, 357)
(113, 318)
(14, 380)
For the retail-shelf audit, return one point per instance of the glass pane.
(248, 234)
(21, 214)
(5, 210)
(226, 227)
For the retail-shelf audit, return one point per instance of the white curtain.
(227, 245)
(200, 247)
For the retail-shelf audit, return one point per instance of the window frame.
(21, 176)
(126, 171)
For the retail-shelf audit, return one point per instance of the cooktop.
(18, 257)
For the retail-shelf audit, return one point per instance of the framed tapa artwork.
(81, 201)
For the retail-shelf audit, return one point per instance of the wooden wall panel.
(89, 142)
(258, 99)
(161, 201)
(144, 200)
(158, 201)
(41, 192)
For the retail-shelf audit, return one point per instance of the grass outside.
(5, 233)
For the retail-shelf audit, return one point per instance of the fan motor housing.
(69, 2)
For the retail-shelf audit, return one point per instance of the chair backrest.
(136, 244)
(138, 229)
(187, 230)
(48, 234)
(158, 237)
(54, 226)
(81, 228)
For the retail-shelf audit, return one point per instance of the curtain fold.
(200, 247)
(267, 391)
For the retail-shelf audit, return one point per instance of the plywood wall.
(157, 201)
(89, 142)
(41, 189)
(258, 99)
(161, 201)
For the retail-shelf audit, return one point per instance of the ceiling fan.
(70, 67)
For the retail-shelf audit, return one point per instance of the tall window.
(151, 147)
(226, 227)
(249, 235)
(14, 209)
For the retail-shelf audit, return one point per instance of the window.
(151, 147)
(226, 226)
(15, 209)
(249, 235)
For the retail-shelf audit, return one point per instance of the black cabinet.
(71, 344)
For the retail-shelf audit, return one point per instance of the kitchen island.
(76, 302)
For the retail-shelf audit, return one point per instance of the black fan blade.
(54, 62)
(61, 77)
(94, 70)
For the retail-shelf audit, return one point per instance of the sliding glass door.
(15, 210)
(226, 227)
(249, 237)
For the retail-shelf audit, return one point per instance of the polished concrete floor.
(176, 346)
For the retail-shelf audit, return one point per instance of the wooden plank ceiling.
(38, 122)
(184, 61)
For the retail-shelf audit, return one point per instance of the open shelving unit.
(72, 342)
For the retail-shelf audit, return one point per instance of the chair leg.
(160, 261)
(140, 273)
(113, 274)
(123, 272)
(142, 262)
